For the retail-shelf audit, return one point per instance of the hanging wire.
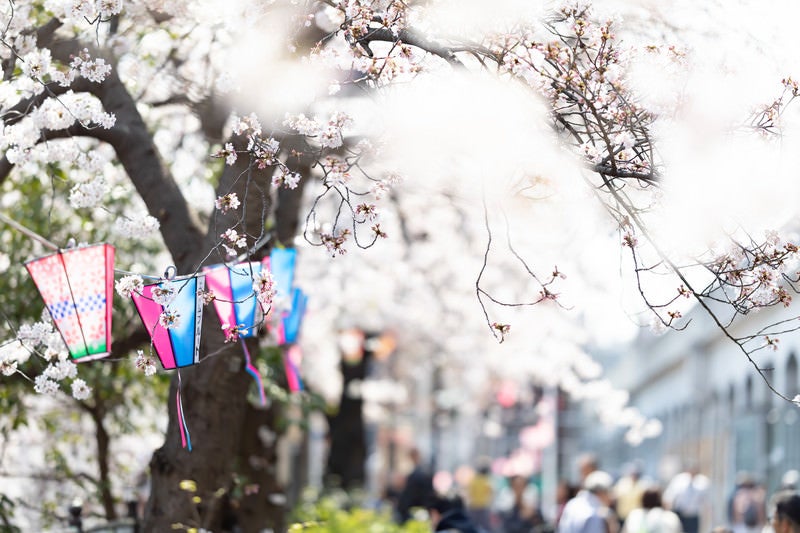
(25, 231)
(70, 244)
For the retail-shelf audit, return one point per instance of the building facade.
(717, 411)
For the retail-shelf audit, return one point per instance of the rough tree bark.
(103, 456)
(229, 454)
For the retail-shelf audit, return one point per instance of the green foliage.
(119, 391)
(294, 406)
(328, 515)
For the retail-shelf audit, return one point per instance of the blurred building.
(717, 412)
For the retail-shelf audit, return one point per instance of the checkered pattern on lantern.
(87, 304)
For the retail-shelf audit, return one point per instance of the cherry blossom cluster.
(327, 142)
(42, 341)
(581, 73)
(127, 285)
(144, 363)
(227, 202)
(336, 171)
(283, 177)
(94, 70)
(334, 242)
(327, 133)
(138, 226)
(164, 294)
(232, 332)
(86, 11)
(264, 287)
(89, 193)
(38, 65)
(363, 16)
(766, 120)
(233, 242)
(20, 138)
(374, 33)
(228, 152)
(757, 274)
(10, 355)
(263, 152)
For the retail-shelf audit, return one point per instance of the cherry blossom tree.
(167, 126)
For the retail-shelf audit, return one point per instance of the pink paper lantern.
(77, 286)
(178, 345)
(235, 300)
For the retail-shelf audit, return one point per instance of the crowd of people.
(599, 503)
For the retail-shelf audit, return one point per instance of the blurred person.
(417, 490)
(687, 495)
(628, 491)
(480, 495)
(565, 491)
(747, 508)
(587, 463)
(780, 495)
(590, 510)
(523, 515)
(447, 513)
(790, 479)
(651, 517)
(391, 494)
(785, 512)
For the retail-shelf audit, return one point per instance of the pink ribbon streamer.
(292, 373)
(186, 439)
(253, 371)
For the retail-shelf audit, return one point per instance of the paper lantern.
(292, 321)
(173, 322)
(287, 334)
(237, 307)
(235, 301)
(232, 285)
(77, 287)
(281, 265)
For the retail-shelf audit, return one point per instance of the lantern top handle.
(170, 272)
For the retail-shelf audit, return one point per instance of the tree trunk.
(232, 461)
(261, 506)
(103, 445)
(228, 461)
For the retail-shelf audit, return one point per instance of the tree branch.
(650, 177)
(411, 38)
(135, 150)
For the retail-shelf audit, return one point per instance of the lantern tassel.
(253, 371)
(186, 439)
